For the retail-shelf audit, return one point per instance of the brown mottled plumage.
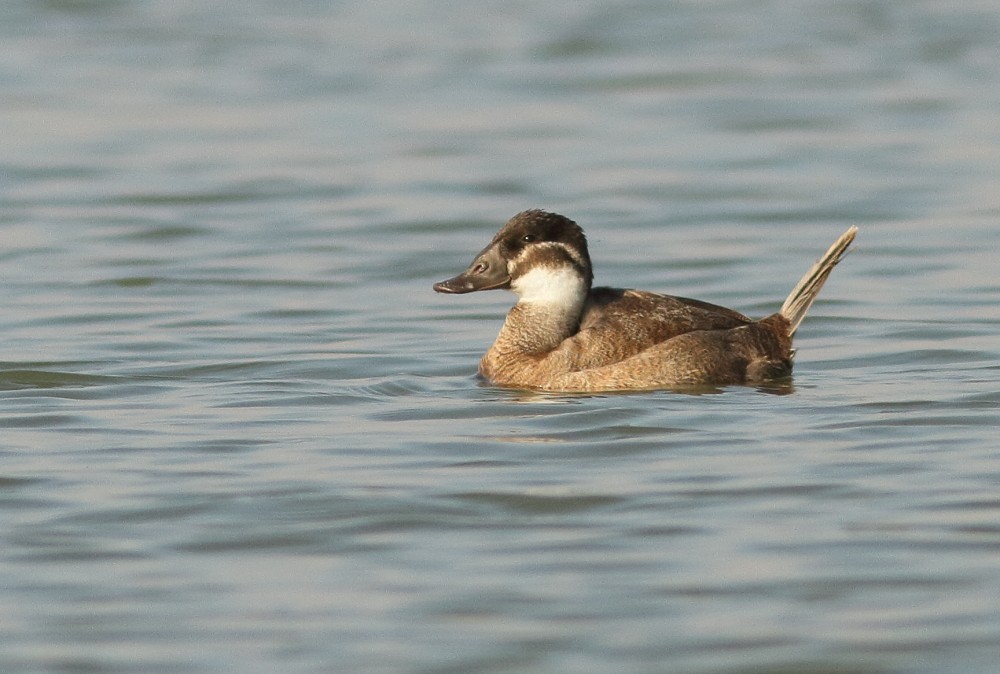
(563, 335)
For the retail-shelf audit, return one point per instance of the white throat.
(560, 286)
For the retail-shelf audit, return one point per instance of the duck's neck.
(548, 311)
(550, 301)
(537, 328)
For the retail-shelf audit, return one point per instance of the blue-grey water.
(240, 433)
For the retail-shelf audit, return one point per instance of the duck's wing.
(617, 324)
(663, 316)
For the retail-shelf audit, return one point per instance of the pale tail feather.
(805, 291)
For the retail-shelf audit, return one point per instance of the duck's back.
(617, 324)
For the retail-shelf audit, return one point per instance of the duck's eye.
(528, 238)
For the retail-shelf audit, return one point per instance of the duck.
(565, 335)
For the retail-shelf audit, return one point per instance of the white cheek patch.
(561, 286)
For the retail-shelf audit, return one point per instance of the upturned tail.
(804, 294)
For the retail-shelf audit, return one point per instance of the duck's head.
(538, 255)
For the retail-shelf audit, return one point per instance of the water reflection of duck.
(564, 335)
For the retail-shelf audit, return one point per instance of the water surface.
(240, 432)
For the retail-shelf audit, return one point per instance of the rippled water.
(240, 432)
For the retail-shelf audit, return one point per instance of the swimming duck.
(565, 335)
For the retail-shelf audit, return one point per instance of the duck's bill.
(470, 283)
(487, 272)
